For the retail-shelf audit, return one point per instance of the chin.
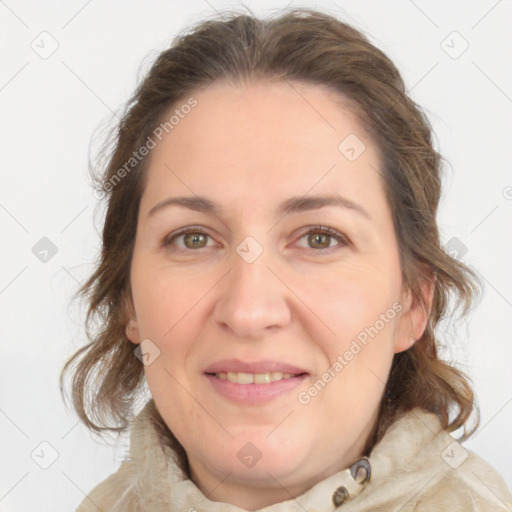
(254, 458)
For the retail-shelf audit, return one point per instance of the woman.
(272, 268)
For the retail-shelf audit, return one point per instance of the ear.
(414, 315)
(132, 331)
(132, 327)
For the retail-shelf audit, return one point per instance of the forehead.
(262, 141)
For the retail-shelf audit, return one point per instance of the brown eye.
(194, 240)
(321, 238)
(189, 239)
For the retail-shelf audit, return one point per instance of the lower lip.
(254, 393)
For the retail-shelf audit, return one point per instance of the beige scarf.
(417, 466)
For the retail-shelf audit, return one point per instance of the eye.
(320, 238)
(191, 238)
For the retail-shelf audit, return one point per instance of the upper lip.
(237, 366)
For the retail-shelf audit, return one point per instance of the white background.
(50, 109)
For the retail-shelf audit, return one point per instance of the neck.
(253, 496)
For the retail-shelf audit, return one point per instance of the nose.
(252, 300)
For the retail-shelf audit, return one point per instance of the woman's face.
(256, 292)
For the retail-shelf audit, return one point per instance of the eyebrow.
(291, 205)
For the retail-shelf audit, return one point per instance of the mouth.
(253, 383)
(254, 378)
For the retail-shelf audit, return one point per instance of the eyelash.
(342, 240)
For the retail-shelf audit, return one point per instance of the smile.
(253, 378)
(254, 388)
(253, 382)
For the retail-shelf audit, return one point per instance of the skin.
(248, 148)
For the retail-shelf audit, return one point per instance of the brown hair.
(310, 47)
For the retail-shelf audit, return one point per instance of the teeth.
(253, 378)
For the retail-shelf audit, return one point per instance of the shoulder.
(142, 481)
(419, 466)
(467, 483)
(114, 494)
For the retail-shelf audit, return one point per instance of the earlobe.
(132, 332)
(405, 337)
(132, 327)
(415, 316)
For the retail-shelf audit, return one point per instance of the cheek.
(164, 299)
(357, 304)
(170, 312)
(354, 298)
(169, 391)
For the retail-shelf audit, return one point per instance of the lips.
(253, 383)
